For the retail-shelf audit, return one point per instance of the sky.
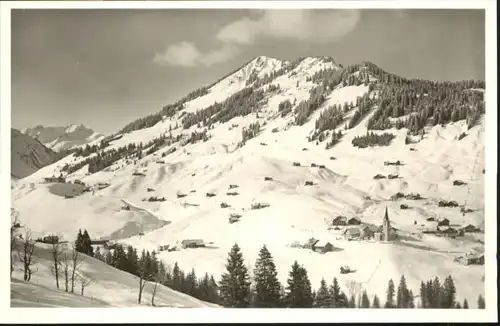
(105, 68)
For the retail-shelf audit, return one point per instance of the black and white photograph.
(251, 154)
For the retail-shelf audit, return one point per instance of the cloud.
(317, 26)
(184, 54)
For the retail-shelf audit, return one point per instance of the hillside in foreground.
(255, 137)
(110, 287)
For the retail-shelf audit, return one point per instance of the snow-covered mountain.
(28, 155)
(308, 138)
(63, 138)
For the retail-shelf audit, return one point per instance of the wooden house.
(469, 228)
(443, 222)
(322, 246)
(340, 220)
(193, 243)
(352, 233)
(354, 221)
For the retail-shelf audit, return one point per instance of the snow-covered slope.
(113, 288)
(27, 155)
(296, 212)
(63, 138)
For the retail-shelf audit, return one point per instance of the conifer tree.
(87, 244)
(235, 283)
(411, 301)
(365, 302)
(323, 298)
(352, 302)
(423, 295)
(267, 286)
(465, 305)
(79, 241)
(449, 293)
(176, 278)
(298, 291)
(376, 302)
(336, 295)
(480, 302)
(402, 297)
(389, 303)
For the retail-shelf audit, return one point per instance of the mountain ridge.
(313, 140)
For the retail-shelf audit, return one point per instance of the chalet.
(259, 205)
(449, 232)
(309, 183)
(333, 158)
(309, 244)
(224, 205)
(68, 196)
(443, 222)
(193, 243)
(59, 179)
(469, 228)
(313, 165)
(79, 182)
(233, 219)
(393, 176)
(354, 221)
(236, 186)
(322, 166)
(430, 219)
(181, 195)
(367, 232)
(50, 239)
(150, 189)
(233, 193)
(99, 242)
(304, 149)
(340, 220)
(398, 162)
(403, 206)
(263, 144)
(379, 176)
(322, 246)
(268, 179)
(459, 183)
(163, 247)
(470, 259)
(352, 233)
(210, 194)
(296, 164)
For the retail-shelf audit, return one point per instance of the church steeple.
(386, 226)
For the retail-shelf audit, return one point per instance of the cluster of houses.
(187, 243)
(443, 228)
(355, 230)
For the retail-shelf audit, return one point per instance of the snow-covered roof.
(321, 243)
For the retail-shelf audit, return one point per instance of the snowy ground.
(296, 212)
(113, 288)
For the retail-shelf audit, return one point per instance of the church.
(385, 232)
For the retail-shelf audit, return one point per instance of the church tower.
(386, 226)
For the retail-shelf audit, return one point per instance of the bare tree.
(56, 252)
(84, 282)
(26, 256)
(14, 217)
(144, 277)
(160, 278)
(76, 263)
(65, 263)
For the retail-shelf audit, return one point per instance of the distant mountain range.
(28, 155)
(62, 138)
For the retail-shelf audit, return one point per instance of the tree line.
(236, 288)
